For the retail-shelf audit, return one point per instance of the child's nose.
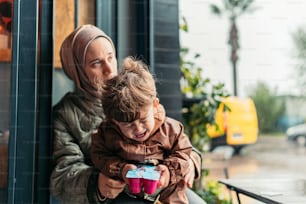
(137, 125)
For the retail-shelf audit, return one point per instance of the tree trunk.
(233, 41)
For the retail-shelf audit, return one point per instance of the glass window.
(68, 15)
(6, 10)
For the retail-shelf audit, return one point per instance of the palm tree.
(233, 9)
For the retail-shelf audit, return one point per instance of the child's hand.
(164, 176)
(125, 169)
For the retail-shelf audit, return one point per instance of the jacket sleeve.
(72, 180)
(196, 158)
(103, 155)
(178, 159)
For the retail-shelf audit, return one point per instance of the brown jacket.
(168, 144)
(73, 179)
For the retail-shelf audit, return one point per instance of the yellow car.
(237, 125)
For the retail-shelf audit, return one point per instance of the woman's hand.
(108, 187)
(189, 178)
(164, 176)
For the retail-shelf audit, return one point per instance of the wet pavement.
(270, 157)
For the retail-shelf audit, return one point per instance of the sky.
(265, 37)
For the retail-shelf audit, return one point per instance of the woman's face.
(100, 61)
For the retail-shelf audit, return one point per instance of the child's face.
(140, 129)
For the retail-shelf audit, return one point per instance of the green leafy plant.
(201, 100)
(214, 193)
(268, 107)
(201, 96)
(299, 40)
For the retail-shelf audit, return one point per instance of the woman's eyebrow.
(94, 59)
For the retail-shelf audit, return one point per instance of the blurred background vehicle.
(237, 124)
(297, 134)
(285, 122)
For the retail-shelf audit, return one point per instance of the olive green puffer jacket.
(73, 179)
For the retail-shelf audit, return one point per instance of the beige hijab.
(73, 52)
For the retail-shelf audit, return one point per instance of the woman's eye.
(110, 58)
(96, 63)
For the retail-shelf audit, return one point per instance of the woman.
(88, 58)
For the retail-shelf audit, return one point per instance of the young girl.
(136, 130)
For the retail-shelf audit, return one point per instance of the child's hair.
(133, 88)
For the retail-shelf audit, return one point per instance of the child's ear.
(156, 102)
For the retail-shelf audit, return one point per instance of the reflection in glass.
(5, 23)
(5, 75)
(64, 24)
